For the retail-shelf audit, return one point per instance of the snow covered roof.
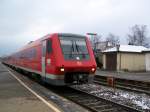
(127, 48)
(146, 50)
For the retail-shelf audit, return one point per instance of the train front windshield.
(74, 48)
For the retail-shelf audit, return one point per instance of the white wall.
(147, 61)
(130, 61)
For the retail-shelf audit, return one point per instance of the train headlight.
(93, 69)
(62, 69)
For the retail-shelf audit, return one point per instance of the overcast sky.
(24, 20)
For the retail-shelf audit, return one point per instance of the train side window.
(49, 46)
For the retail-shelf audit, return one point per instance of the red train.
(58, 59)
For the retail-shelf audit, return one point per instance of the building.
(98, 47)
(124, 58)
(101, 46)
(147, 59)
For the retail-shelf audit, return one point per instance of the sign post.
(111, 82)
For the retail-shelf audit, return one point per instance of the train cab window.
(49, 46)
(74, 48)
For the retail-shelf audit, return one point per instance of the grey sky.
(24, 20)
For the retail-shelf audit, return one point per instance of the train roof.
(36, 42)
(70, 35)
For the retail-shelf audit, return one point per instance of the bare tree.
(113, 40)
(138, 36)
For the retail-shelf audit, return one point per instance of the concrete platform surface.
(16, 95)
(16, 98)
(140, 76)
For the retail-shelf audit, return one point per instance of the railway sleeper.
(102, 107)
(94, 103)
(86, 101)
(109, 110)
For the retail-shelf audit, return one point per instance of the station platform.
(16, 98)
(140, 76)
(18, 93)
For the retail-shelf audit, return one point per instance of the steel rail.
(125, 84)
(87, 100)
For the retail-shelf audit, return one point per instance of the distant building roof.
(127, 48)
(146, 50)
(101, 46)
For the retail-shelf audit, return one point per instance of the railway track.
(92, 102)
(88, 101)
(137, 86)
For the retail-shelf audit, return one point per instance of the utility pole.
(93, 39)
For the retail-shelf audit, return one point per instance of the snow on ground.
(141, 100)
(136, 100)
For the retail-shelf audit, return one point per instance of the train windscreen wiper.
(79, 50)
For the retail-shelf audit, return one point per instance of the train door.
(43, 58)
(49, 57)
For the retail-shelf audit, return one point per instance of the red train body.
(58, 59)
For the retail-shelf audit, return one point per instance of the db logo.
(79, 63)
